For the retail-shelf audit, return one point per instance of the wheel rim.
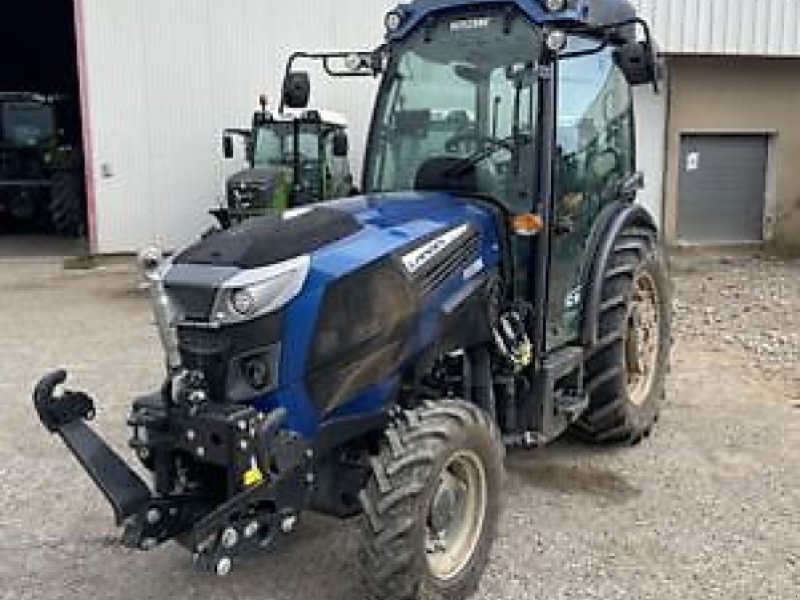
(455, 515)
(643, 338)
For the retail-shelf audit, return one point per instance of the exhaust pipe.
(152, 267)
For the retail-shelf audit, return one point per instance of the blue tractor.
(494, 285)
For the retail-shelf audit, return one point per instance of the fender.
(612, 220)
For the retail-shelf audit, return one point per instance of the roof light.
(393, 20)
(555, 5)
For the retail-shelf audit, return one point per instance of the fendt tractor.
(41, 179)
(496, 285)
(293, 159)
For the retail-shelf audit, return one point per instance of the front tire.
(626, 370)
(432, 503)
(67, 206)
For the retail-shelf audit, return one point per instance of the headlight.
(243, 302)
(257, 292)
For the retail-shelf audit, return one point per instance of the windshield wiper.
(511, 143)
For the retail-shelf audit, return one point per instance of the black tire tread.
(66, 204)
(390, 570)
(607, 420)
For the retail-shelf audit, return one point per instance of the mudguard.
(612, 220)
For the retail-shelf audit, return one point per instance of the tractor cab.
(40, 166)
(526, 105)
(294, 158)
(26, 121)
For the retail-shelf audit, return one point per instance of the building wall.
(742, 95)
(163, 79)
(651, 120)
(733, 27)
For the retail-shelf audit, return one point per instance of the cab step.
(560, 397)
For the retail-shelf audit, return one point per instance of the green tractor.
(294, 159)
(41, 179)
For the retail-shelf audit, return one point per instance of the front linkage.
(268, 479)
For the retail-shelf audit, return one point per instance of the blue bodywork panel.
(391, 222)
(579, 13)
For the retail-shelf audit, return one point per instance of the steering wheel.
(475, 140)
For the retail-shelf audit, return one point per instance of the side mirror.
(227, 146)
(341, 145)
(638, 62)
(296, 89)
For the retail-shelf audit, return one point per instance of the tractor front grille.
(248, 197)
(21, 164)
(228, 356)
(459, 258)
(10, 164)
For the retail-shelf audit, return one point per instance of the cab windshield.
(462, 91)
(274, 144)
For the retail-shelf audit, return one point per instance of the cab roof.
(328, 117)
(577, 14)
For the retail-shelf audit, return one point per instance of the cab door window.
(595, 147)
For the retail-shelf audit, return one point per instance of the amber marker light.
(526, 224)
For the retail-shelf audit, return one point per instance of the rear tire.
(626, 370)
(431, 504)
(67, 207)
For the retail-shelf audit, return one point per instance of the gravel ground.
(706, 508)
(750, 304)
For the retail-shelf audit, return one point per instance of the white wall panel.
(163, 79)
(756, 27)
(651, 124)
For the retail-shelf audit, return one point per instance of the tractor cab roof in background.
(26, 97)
(580, 14)
(327, 117)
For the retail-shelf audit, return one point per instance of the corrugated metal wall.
(163, 79)
(756, 27)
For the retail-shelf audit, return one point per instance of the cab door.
(595, 152)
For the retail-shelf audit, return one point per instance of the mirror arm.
(608, 28)
(245, 133)
(580, 53)
(630, 185)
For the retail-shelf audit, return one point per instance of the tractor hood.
(322, 301)
(351, 231)
(256, 176)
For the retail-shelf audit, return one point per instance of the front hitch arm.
(250, 517)
(66, 414)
